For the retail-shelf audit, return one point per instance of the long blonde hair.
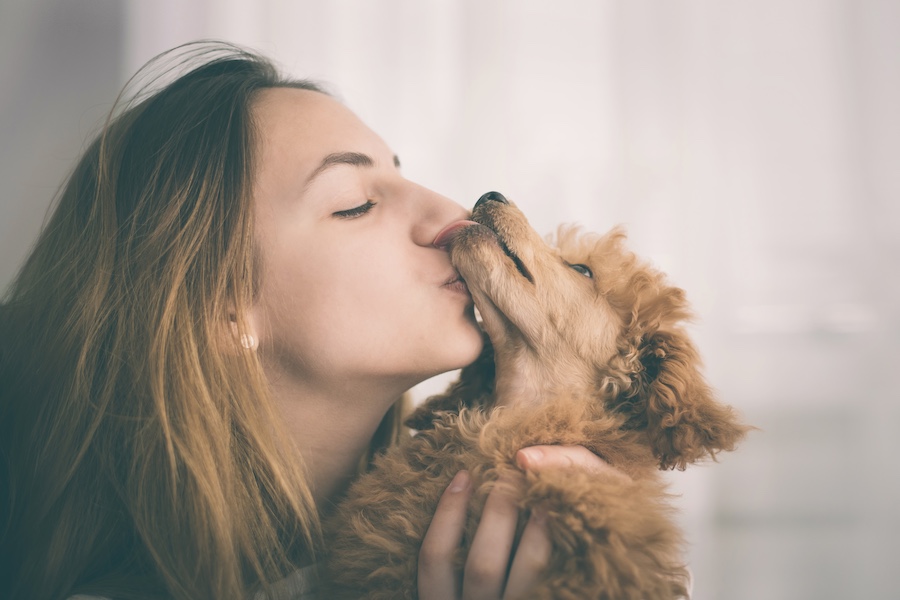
(141, 453)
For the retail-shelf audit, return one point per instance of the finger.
(488, 558)
(437, 576)
(535, 458)
(532, 557)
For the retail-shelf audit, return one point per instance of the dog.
(586, 346)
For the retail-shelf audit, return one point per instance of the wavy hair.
(142, 455)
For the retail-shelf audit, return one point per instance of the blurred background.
(752, 149)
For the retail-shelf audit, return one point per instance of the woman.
(212, 333)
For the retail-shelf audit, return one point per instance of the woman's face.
(353, 291)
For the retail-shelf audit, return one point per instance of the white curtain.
(751, 148)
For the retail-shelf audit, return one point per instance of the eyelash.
(355, 212)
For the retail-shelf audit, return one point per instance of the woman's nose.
(437, 212)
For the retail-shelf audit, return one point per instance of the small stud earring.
(248, 341)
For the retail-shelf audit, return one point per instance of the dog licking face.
(585, 346)
(537, 307)
(586, 317)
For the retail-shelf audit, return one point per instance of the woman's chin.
(470, 346)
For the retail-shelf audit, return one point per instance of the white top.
(302, 584)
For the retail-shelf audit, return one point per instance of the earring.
(248, 341)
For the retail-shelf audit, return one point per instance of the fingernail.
(529, 457)
(459, 483)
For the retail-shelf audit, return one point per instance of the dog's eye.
(584, 270)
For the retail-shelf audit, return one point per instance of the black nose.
(492, 197)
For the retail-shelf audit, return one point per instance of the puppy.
(586, 347)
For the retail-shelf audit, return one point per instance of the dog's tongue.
(443, 239)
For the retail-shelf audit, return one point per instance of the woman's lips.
(457, 284)
(445, 237)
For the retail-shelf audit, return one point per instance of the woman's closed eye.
(355, 212)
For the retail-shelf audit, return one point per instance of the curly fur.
(603, 363)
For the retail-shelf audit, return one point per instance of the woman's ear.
(246, 340)
(682, 419)
(475, 387)
(243, 333)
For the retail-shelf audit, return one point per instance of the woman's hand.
(490, 555)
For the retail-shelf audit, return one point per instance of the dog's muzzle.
(491, 197)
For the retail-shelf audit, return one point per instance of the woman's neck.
(332, 428)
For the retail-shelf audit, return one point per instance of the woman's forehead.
(301, 127)
(301, 132)
(295, 110)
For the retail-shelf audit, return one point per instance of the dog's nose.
(491, 197)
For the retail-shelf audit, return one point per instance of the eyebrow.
(356, 159)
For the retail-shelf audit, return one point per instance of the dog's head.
(587, 314)
(537, 305)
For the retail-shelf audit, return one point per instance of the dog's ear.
(475, 387)
(672, 402)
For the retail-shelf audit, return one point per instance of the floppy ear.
(683, 420)
(475, 387)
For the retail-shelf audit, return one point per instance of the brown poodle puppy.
(589, 350)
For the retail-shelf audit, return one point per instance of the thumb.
(535, 458)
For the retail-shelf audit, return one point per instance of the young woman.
(211, 335)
